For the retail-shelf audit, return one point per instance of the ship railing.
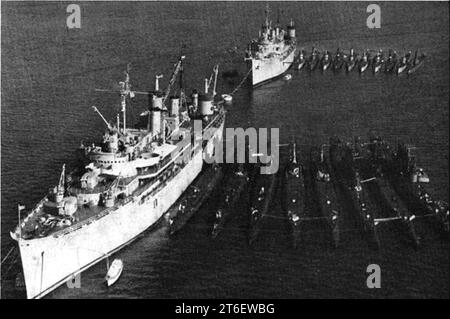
(29, 215)
(33, 211)
(97, 189)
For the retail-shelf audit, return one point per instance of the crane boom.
(216, 71)
(213, 75)
(173, 77)
(104, 120)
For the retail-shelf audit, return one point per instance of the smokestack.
(155, 113)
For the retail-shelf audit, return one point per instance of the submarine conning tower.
(291, 30)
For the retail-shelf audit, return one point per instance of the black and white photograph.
(224, 150)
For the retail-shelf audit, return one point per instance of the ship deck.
(40, 223)
(34, 228)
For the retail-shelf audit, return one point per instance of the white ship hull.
(266, 69)
(50, 261)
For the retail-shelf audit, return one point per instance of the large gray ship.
(125, 184)
(272, 53)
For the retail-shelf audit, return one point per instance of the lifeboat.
(114, 272)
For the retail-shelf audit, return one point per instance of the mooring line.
(241, 83)
(7, 255)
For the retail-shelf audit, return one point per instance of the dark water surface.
(48, 78)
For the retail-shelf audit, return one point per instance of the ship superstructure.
(126, 184)
(272, 53)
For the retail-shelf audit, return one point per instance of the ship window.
(155, 203)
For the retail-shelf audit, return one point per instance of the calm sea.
(48, 76)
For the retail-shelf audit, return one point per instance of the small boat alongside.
(193, 198)
(114, 272)
(287, 77)
(227, 97)
(230, 194)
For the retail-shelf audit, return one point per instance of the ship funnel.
(206, 106)
(157, 101)
(155, 113)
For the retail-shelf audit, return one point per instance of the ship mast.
(267, 11)
(294, 153)
(182, 96)
(124, 91)
(157, 77)
(61, 178)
